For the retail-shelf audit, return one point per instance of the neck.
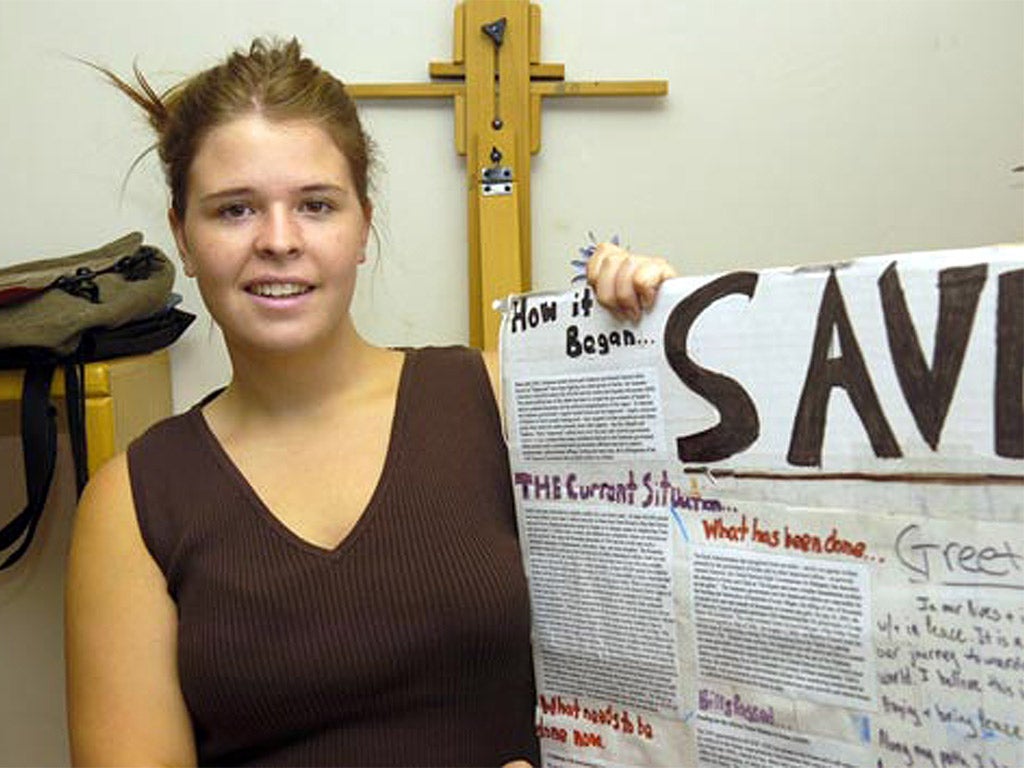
(301, 384)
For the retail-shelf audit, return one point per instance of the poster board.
(779, 521)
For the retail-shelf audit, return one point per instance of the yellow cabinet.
(122, 398)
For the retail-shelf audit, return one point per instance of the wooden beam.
(497, 115)
(535, 36)
(602, 88)
(404, 90)
(501, 270)
(459, 39)
(540, 88)
(452, 71)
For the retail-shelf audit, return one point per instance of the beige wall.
(32, 729)
(795, 131)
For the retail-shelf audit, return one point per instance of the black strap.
(39, 417)
(74, 398)
(39, 449)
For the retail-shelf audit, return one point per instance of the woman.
(317, 565)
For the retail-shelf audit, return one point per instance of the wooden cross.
(497, 82)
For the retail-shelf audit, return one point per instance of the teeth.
(278, 289)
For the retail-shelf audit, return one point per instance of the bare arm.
(125, 705)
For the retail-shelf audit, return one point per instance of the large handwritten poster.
(780, 521)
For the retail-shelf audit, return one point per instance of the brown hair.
(272, 79)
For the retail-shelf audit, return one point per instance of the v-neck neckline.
(392, 456)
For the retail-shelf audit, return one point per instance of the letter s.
(739, 426)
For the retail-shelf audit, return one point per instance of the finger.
(601, 252)
(648, 277)
(627, 299)
(604, 282)
(601, 273)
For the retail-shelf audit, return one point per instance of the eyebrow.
(249, 191)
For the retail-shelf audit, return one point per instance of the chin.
(291, 342)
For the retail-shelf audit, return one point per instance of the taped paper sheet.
(780, 521)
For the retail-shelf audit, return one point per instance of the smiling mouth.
(278, 290)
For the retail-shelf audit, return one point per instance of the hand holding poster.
(779, 521)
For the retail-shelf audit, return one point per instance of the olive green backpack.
(65, 312)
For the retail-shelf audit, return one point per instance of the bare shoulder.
(106, 513)
(105, 522)
(124, 699)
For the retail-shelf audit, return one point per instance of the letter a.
(847, 371)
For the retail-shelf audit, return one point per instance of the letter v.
(929, 391)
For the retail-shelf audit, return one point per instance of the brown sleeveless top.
(408, 644)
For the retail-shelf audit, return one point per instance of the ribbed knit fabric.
(407, 645)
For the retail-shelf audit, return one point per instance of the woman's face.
(273, 232)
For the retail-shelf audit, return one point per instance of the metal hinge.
(496, 180)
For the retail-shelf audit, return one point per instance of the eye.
(232, 211)
(317, 207)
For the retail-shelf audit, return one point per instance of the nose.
(279, 234)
